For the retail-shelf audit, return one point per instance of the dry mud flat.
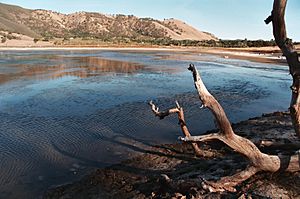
(172, 171)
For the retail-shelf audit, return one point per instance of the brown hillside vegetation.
(9, 19)
(46, 23)
(181, 30)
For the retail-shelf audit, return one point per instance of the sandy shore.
(263, 55)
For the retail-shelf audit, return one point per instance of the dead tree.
(292, 57)
(179, 111)
(258, 161)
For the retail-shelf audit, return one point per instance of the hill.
(49, 24)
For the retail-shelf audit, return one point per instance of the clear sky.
(227, 19)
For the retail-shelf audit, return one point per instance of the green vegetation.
(146, 41)
(212, 43)
(209, 43)
(98, 40)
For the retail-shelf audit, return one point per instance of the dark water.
(63, 113)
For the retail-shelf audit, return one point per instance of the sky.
(227, 19)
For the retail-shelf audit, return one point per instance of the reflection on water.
(82, 67)
(63, 113)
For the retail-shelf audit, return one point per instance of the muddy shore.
(263, 54)
(172, 171)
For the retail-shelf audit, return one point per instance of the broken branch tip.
(191, 67)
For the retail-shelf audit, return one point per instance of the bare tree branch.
(229, 182)
(258, 161)
(183, 126)
(279, 146)
(163, 114)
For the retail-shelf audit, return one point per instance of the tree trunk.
(292, 57)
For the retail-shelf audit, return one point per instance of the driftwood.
(258, 161)
(279, 146)
(179, 111)
(292, 57)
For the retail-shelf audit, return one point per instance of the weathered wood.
(292, 57)
(163, 114)
(211, 103)
(279, 146)
(229, 182)
(258, 161)
(179, 111)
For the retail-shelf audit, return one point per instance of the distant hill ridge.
(46, 23)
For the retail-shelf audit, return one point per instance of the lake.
(64, 113)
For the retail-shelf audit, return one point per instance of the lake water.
(64, 113)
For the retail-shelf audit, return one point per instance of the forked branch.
(179, 111)
(166, 113)
(258, 161)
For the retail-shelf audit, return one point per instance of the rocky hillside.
(45, 23)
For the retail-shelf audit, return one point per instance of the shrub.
(3, 39)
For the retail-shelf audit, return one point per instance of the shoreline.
(148, 159)
(173, 171)
(261, 55)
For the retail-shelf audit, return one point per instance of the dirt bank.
(172, 171)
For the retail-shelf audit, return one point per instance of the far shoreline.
(262, 55)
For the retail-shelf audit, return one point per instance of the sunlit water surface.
(64, 113)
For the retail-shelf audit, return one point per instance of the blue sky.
(227, 19)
